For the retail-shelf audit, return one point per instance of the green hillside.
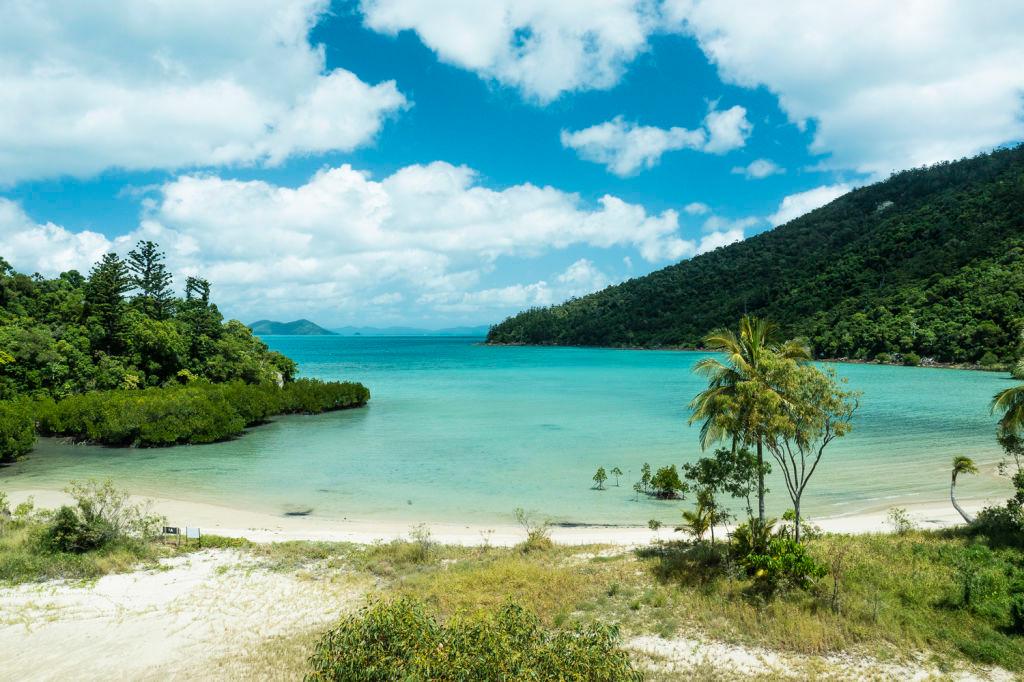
(928, 261)
(294, 328)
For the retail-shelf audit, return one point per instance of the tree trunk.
(760, 481)
(796, 524)
(952, 498)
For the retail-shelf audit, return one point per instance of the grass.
(897, 596)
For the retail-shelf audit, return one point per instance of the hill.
(293, 328)
(929, 261)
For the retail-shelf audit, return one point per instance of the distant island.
(293, 328)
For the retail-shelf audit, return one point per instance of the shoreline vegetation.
(116, 358)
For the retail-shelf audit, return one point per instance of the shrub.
(1018, 370)
(538, 533)
(900, 521)
(399, 640)
(911, 359)
(785, 563)
(989, 359)
(883, 358)
(17, 430)
(102, 514)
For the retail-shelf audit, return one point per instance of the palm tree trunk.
(952, 498)
(760, 481)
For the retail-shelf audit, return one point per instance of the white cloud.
(343, 239)
(696, 208)
(887, 85)
(795, 205)
(143, 85)
(759, 169)
(713, 240)
(625, 148)
(542, 48)
(727, 130)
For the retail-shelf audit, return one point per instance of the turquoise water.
(457, 431)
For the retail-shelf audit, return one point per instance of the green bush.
(989, 359)
(17, 430)
(102, 515)
(911, 359)
(399, 640)
(70, 533)
(883, 358)
(785, 563)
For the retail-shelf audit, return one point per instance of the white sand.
(159, 624)
(263, 527)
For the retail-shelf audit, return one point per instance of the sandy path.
(263, 527)
(684, 656)
(159, 624)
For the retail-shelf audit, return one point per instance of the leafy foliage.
(927, 262)
(198, 412)
(17, 430)
(400, 640)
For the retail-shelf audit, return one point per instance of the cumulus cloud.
(696, 208)
(542, 48)
(173, 85)
(342, 239)
(795, 205)
(886, 85)
(625, 148)
(759, 169)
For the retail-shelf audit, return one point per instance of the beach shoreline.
(260, 526)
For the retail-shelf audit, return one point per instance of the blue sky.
(404, 162)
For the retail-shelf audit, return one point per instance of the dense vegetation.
(117, 358)
(927, 262)
(199, 412)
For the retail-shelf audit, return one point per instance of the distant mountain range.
(294, 328)
(412, 331)
(307, 328)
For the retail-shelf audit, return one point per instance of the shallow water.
(458, 431)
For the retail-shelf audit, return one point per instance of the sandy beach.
(260, 526)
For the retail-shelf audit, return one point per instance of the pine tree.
(109, 281)
(152, 280)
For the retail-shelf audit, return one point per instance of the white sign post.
(193, 534)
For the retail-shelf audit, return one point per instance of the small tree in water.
(616, 472)
(599, 478)
(645, 477)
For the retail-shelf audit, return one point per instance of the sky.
(448, 162)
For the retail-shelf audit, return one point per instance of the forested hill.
(930, 261)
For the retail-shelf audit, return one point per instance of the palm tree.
(718, 407)
(961, 465)
(1010, 402)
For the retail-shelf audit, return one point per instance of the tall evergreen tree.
(109, 281)
(152, 280)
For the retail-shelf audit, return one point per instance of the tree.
(108, 282)
(151, 278)
(616, 472)
(1010, 402)
(814, 412)
(667, 484)
(645, 477)
(734, 404)
(961, 465)
(599, 478)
